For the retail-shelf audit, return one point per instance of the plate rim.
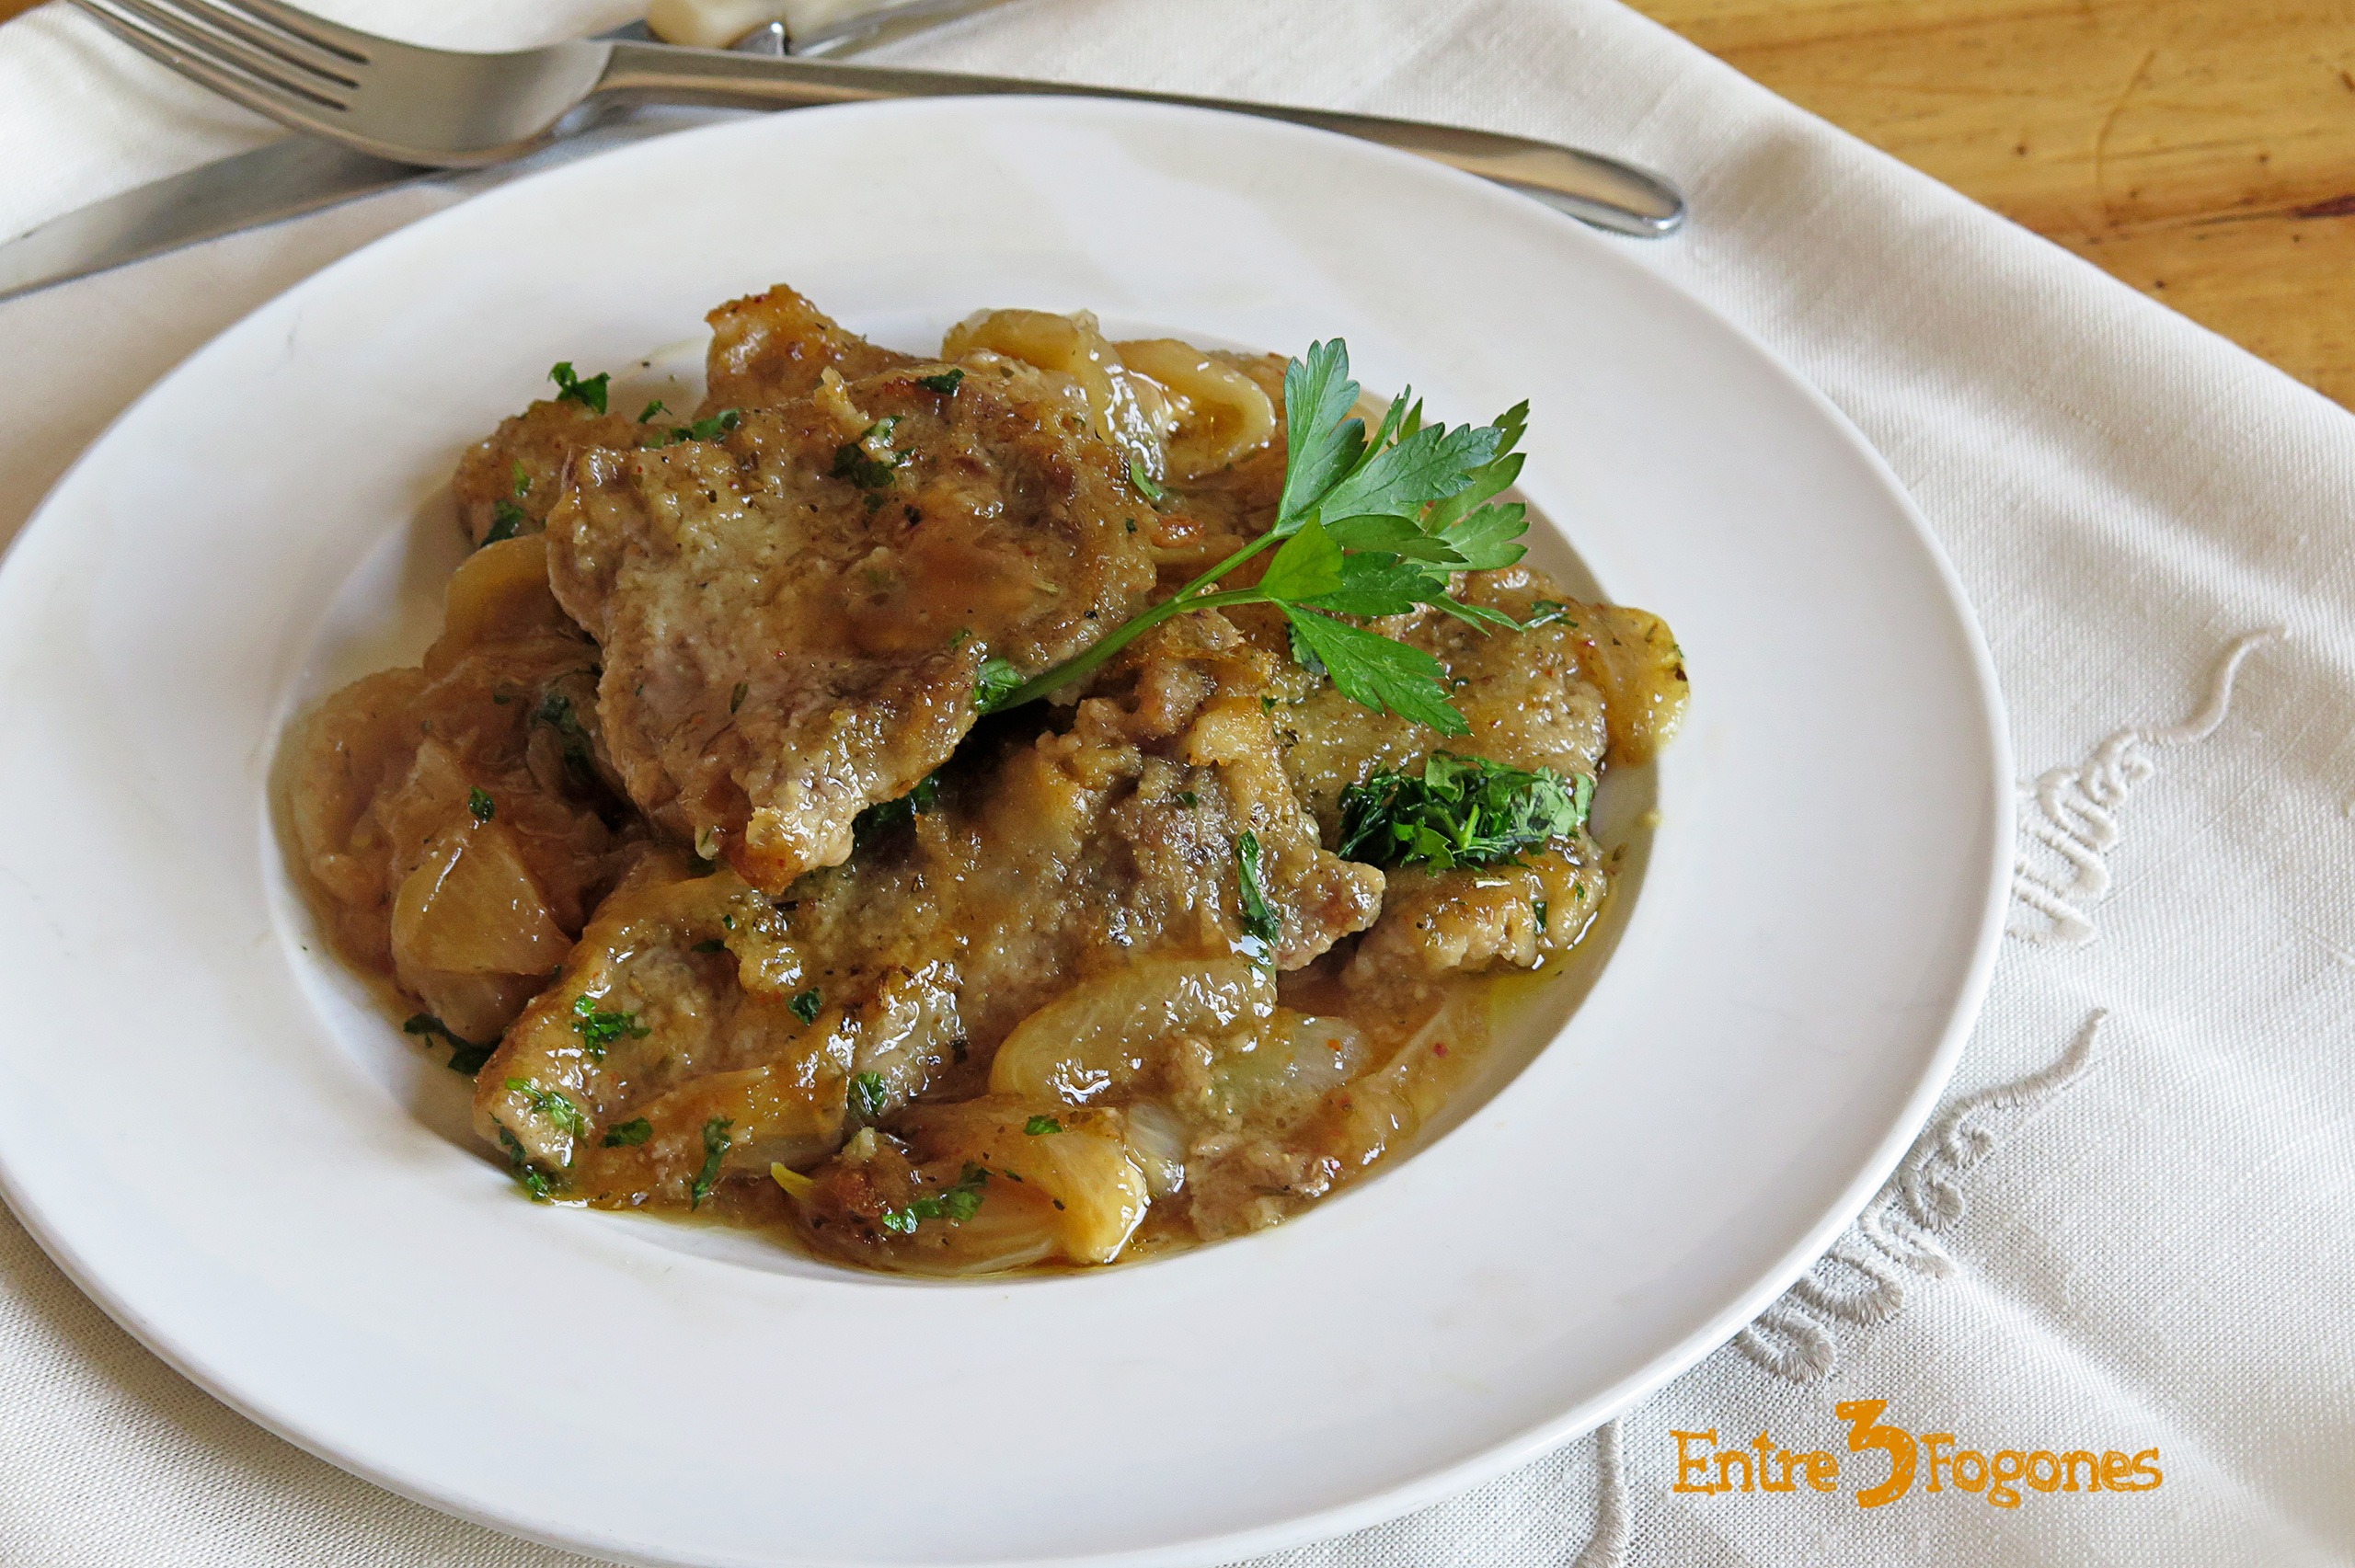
(1381, 1502)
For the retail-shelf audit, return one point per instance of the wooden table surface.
(2201, 149)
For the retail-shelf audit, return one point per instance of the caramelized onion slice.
(1106, 1032)
(1217, 416)
(1078, 1164)
(472, 907)
(1127, 410)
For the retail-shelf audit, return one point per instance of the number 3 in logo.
(1863, 1416)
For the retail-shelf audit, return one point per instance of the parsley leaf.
(869, 1095)
(716, 1141)
(808, 1005)
(599, 1029)
(628, 1134)
(572, 388)
(1146, 486)
(507, 520)
(944, 383)
(994, 683)
(523, 479)
(1323, 444)
(709, 944)
(1261, 930)
(1546, 612)
(465, 1055)
(1460, 811)
(480, 805)
(1386, 676)
(1038, 1127)
(650, 410)
(955, 1203)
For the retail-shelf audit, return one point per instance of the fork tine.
(333, 37)
(285, 108)
(231, 55)
(302, 55)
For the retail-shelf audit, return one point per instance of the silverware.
(431, 106)
(303, 175)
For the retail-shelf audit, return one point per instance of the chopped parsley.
(869, 462)
(709, 944)
(706, 429)
(480, 804)
(1538, 907)
(1460, 811)
(1367, 526)
(869, 1095)
(465, 1055)
(944, 383)
(1189, 799)
(650, 410)
(736, 698)
(523, 480)
(567, 1117)
(599, 1027)
(1260, 927)
(808, 1005)
(993, 684)
(528, 1176)
(507, 520)
(572, 388)
(716, 1141)
(1545, 611)
(1146, 486)
(1038, 1127)
(556, 712)
(628, 1134)
(956, 1204)
(886, 815)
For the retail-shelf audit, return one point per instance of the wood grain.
(2201, 149)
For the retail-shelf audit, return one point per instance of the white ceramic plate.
(225, 1142)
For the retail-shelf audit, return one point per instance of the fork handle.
(1602, 191)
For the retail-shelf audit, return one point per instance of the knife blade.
(282, 180)
(289, 178)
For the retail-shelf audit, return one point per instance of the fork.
(461, 111)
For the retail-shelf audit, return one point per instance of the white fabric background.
(2145, 1244)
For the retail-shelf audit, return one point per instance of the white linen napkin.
(2127, 1229)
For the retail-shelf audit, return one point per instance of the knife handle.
(1602, 191)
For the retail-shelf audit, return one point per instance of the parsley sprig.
(573, 387)
(1369, 525)
(1460, 811)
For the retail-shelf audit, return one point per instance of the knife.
(289, 178)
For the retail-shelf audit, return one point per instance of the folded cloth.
(2125, 1231)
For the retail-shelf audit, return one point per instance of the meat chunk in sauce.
(793, 619)
(1103, 845)
(772, 347)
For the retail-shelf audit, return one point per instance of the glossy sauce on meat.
(694, 815)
